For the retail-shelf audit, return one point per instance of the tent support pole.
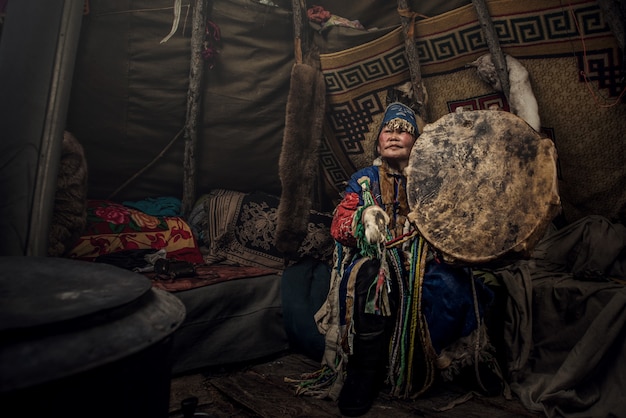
(300, 38)
(194, 98)
(491, 37)
(408, 28)
(615, 17)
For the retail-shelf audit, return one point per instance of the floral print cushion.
(113, 227)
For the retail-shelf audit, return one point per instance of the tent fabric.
(566, 321)
(33, 106)
(377, 16)
(129, 91)
(129, 97)
(230, 322)
(543, 36)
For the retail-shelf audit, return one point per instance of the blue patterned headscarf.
(398, 115)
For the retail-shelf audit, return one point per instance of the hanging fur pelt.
(298, 163)
(69, 216)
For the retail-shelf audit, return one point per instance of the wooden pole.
(194, 101)
(497, 56)
(615, 18)
(408, 22)
(300, 37)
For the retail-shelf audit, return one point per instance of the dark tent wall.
(37, 50)
(377, 16)
(575, 66)
(129, 93)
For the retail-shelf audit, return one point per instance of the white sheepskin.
(521, 97)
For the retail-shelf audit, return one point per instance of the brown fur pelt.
(70, 202)
(298, 163)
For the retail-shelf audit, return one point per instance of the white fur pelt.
(521, 97)
(375, 221)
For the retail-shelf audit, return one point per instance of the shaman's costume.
(436, 309)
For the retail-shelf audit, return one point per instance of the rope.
(150, 164)
(477, 344)
(401, 239)
(122, 12)
(412, 16)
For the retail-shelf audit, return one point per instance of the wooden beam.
(407, 19)
(301, 36)
(497, 56)
(615, 18)
(194, 99)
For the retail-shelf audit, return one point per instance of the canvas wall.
(584, 115)
(129, 97)
(129, 92)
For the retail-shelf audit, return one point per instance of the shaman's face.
(394, 145)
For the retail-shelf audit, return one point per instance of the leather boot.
(364, 375)
(485, 379)
(365, 369)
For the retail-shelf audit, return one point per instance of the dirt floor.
(259, 390)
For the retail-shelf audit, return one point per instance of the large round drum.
(482, 186)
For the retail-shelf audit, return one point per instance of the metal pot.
(82, 339)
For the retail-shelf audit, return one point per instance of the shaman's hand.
(375, 221)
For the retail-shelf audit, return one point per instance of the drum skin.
(482, 186)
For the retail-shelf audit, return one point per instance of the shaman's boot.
(365, 369)
(365, 374)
